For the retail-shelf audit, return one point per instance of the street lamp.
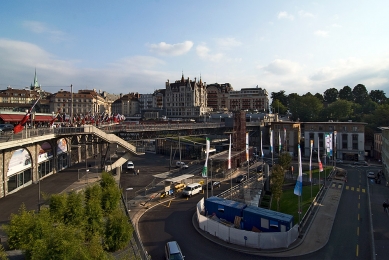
(220, 119)
(126, 196)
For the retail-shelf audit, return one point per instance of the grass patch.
(289, 201)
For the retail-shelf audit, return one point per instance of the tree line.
(342, 105)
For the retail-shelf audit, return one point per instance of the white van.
(130, 165)
(192, 189)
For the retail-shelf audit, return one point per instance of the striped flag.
(261, 146)
(247, 146)
(19, 127)
(318, 155)
(205, 169)
(298, 189)
(229, 155)
(310, 163)
(279, 142)
(271, 141)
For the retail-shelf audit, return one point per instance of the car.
(173, 251)
(260, 169)
(214, 184)
(181, 165)
(192, 189)
(6, 127)
(130, 165)
(339, 161)
(241, 178)
(371, 175)
(362, 163)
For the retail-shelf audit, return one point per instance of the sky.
(137, 46)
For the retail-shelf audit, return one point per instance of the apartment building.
(253, 99)
(218, 95)
(127, 105)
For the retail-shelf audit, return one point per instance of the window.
(344, 141)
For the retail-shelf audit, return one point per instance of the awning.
(43, 118)
(11, 118)
(180, 178)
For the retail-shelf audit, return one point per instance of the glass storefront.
(45, 168)
(19, 180)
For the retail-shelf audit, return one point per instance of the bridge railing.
(27, 133)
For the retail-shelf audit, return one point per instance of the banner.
(229, 155)
(247, 146)
(310, 163)
(271, 141)
(279, 142)
(261, 146)
(328, 142)
(318, 155)
(299, 184)
(205, 169)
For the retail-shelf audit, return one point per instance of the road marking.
(357, 231)
(364, 190)
(358, 216)
(352, 188)
(357, 189)
(357, 250)
(347, 187)
(359, 205)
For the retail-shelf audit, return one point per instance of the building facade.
(217, 96)
(252, 99)
(348, 139)
(127, 105)
(186, 98)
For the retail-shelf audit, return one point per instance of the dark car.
(214, 184)
(260, 169)
(241, 178)
(6, 127)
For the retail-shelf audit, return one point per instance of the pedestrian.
(137, 172)
(385, 205)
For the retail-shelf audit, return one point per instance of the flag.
(55, 117)
(284, 139)
(328, 139)
(310, 163)
(299, 184)
(247, 146)
(19, 127)
(261, 146)
(205, 169)
(271, 141)
(279, 142)
(318, 155)
(229, 155)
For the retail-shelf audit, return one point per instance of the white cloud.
(285, 15)
(204, 53)
(321, 33)
(302, 13)
(177, 49)
(41, 28)
(227, 43)
(281, 67)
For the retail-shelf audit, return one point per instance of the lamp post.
(126, 197)
(220, 119)
(71, 108)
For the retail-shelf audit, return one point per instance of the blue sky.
(136, 46)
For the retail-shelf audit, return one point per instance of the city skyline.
(123, 47)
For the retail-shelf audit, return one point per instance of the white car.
(130, 165)
(371, 175)
(181, 165)
(192, 189)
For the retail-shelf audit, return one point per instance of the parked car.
(241, 178)
(6, 127)
(173, 251)
(192, 189)
(214, 184)
(181, 165)
(371, 175)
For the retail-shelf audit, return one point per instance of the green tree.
(277, 181)
(280, 96)
(320, 97)
(93, 211)
(378, 96)
(74, 213)
(360, 94)
(306, 108)
(117, 231)
(340, 110)
(285, 160)
(346, 93)
(57, 206)
(278, 107)
(331, 95)
(3, 254)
